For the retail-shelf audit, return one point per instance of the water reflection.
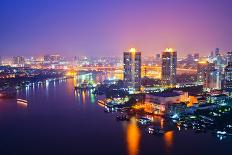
(162, 123)
(133, 137)
(168, 139)
(92, 97)
(84, 97)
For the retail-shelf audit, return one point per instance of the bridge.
(143, 68)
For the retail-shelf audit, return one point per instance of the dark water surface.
(58, 120)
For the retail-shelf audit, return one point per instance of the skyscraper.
(132, 69)
(229, 57)
(196, 56)
(208, 75)
(217, 52)
(169, 63)
(228, 76)
(0, 60)
(202, 68)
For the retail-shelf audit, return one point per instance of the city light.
(169, 50)
(132, 50)
(72, 81)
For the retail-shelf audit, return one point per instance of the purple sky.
(108, 27)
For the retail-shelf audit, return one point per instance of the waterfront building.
(168, 103)
(164, 97)
(132, 69)
(169, 64)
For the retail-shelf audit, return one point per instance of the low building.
(164, 97)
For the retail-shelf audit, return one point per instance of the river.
(58, 120)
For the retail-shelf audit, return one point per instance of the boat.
(144, 120)
(222, 133)
(122, 118)
(101, 103)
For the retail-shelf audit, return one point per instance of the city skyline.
(83, 28)
(137, 77)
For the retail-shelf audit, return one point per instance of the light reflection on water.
(133, 137)
(168, 140)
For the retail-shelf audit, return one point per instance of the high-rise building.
(214, 79)
(208, 75)
(228, 76)
(169, 64)
(229, 57)
(19, 61)
(132, 69)
(157, 57)
(0, 60)
(217, 52)
(196, 56)
(202, 69)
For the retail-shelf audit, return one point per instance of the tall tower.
(169, 63)
(229, 57)
(208, 75)
(132, 69)
(228, 77)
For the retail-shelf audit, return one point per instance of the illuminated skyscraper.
(132, 69)
(228, 77)
(202, 68)
(208, 75)
(229, 57)
(169, 63)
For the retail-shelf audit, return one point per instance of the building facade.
(169, 64)
(19, 61)
(132, 69)
(228, 76)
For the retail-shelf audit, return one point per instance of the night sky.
(108, 27)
